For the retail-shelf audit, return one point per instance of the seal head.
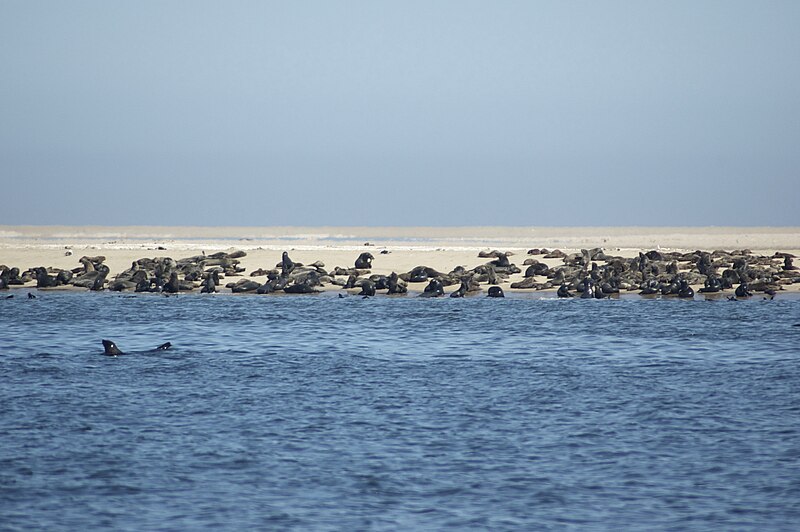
(110, 348)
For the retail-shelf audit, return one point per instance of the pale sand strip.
(437, 247)
(755, 238)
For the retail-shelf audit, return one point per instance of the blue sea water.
(320, 413)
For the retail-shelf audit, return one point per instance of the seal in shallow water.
(495, 291)
(743, 290)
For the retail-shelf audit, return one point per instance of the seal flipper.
(164, 347)
(110, 348)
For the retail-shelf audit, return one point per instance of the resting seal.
(210, 283)
(685, 290)
(286, 264)
(563, 291)
(462, 290)
(587, 289)
(396, 285)
(364, 261)
(434, 289)
(712, 284)
(367, 288)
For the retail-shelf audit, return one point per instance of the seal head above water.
(111, 349)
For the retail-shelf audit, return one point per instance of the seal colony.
(588, 273)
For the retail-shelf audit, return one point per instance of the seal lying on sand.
(111, 349)
(563, 291)
(434, 289)
(364, 261)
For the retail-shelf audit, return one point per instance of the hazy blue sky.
(402, 113)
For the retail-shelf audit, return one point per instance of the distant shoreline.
(422, 238)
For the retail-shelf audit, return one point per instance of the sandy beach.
(396, 249)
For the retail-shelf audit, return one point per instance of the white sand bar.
(442, 248)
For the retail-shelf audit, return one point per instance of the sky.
(414, 113)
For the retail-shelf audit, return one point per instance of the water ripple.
(326, 413)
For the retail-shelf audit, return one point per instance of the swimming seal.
(111, 349)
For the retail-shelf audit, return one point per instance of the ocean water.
(320, 413)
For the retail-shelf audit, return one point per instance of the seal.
(501, 261)
(367, 288)
(712, 284)
(434, 289)
(743, 290)
(587, 293)
(210, 283)
(598, 293)
(111, 349)
(99, 282)
(286, 264)
(649, 288)
(563, 291)
(462, 290)
(537, 268)
(396, 285)
(173, 285)
(364, 261)
(381, 282)
(43, 280)
(685, 291)
(495, 291)
(300, 288)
